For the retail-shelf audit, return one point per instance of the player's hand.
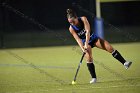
(86, 47)
(84, 50)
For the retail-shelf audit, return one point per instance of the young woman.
(80, 29)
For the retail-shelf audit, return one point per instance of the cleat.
(94, 80)
(127, 64)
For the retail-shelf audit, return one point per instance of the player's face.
(73, 21)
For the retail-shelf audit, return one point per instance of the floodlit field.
(51, 70)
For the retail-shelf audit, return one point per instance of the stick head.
(73, 83)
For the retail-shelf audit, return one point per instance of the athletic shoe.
(93, 80)
(127, 64)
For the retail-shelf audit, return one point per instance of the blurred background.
(38, 23)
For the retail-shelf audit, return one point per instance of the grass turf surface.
(51, 70)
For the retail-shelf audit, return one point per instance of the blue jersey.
(81, 32)
(80, 29)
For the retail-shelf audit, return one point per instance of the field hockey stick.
(79, 66)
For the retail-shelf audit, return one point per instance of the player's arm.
(79, 41)
(87, 28)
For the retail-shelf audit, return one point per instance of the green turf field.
(51, 70)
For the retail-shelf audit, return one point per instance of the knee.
(110, 49)
(88, 58)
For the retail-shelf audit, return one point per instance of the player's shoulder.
(72, 31)
(83, 18)
(70, 28)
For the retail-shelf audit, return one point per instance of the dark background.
(33, 23)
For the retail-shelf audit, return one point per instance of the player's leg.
(90, 65)
(103, 44)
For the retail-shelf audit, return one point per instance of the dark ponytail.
(71, 13)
